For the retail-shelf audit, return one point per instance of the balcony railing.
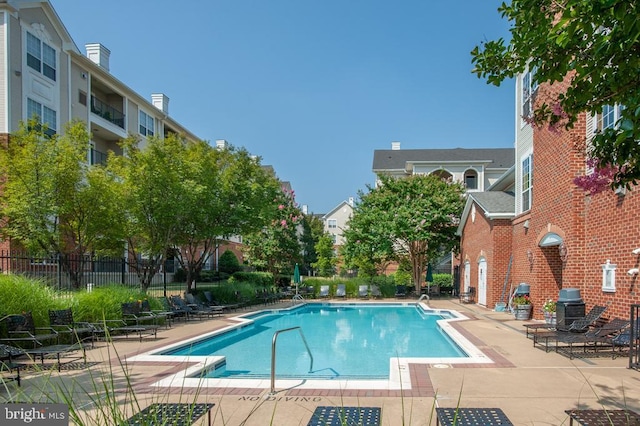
(98, 157)
(107, 112)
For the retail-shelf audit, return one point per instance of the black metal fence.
(89, 270)
(634, 341)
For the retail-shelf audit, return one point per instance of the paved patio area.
(532, 387)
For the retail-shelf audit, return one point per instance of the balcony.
(107, 112)
(98, 157)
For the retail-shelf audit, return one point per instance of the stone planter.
(550, 318)
(523, 312)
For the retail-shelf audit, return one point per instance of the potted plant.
(549, 311)
(522, 307)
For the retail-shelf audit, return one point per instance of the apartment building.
(555, 235)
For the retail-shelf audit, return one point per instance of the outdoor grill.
(569, 307)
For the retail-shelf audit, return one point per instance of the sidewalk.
(532, 387)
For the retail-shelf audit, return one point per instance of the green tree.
(52, 201)
(276, 247)
(594, 46)
(151, 188)
(312, 230)
(416, 217)
(327, 261)
(228, 193)
(228, 263)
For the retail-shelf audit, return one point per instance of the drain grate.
(339, 416)
(170, 414)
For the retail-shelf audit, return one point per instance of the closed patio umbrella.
(296, 277)
(429, 277)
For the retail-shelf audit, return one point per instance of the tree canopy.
(595, 47)
(414, 218)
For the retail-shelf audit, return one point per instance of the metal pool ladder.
(273, 354)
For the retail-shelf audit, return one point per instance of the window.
(41, 57)
(43, 115)
(332, 223)
(471, 179)
(529, 90)
(608, 277)
(147, 124)
(527, 182)
(607, 117)
(82, 98)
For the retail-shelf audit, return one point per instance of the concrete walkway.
(532, 387)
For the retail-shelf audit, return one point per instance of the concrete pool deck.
(532, 387)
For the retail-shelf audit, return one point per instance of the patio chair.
(211, 301)
(133, 314)
(21, 330)
(341, 291)
(593, 341)
(177, 311)
(324, 291)
(199, 306)
(37, 342)
(363, 291)
(581, 325)
(192, 308)
(61, 320)
(7, 355)
(623, 340)
(401, 291)
(162, 316)
(375, 292)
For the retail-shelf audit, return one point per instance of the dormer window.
(471, 179)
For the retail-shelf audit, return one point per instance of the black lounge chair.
(21, 330)
(134, 315)
(623, 340)
(603, 417)
(202, 309)
(211, 301)
(7, 355)
(62, 321)
(401, 291)
(37, 341)
(162, 316)
(581, 325)
(375, 292)
(177, 311)
(595, 342)
(363, 292)
(192, 309)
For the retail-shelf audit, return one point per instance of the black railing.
(87, 269)
(98, 157)
(634, 341)
(107, 112)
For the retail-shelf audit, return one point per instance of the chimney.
(98, 54)
(350, 201)
(221, 144)
(160, 101)
(305, 209)
(395, 146)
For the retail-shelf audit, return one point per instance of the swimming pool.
(343, 368)
(346, 341)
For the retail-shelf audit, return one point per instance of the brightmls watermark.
(34, 414)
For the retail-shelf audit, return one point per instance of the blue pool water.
(347, 341)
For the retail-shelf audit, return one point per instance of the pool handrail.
(273, 354)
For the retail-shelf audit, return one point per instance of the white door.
(482, 281)
(467, 277)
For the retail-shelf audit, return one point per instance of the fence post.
(122, 278)
(59, 267)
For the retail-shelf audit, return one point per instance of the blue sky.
(311, 86)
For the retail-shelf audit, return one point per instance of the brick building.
(555, 235)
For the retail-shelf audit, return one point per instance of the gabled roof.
(494, 205)
(336, 208)
(390, 159)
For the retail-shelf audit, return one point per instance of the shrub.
(21, 294)
(443, 280)
(105, 302)
(262, 279)
(228, 263)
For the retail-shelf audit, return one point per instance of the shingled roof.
(390, 159)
